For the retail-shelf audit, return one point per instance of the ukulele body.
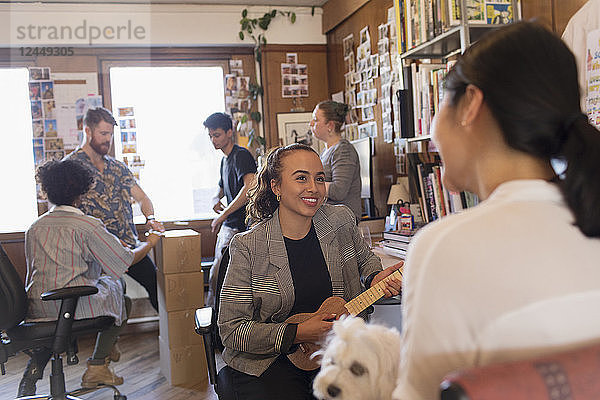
(302, 357)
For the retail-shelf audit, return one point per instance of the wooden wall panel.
(539, 9)
(336, 11)
(373, 14)
(563, 11)
(315, 56)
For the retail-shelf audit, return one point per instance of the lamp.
(399, 192)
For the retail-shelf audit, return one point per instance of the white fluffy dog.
(360, 361)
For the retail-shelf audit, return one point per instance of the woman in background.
(340, 160)
(299, 253)
(518, 275)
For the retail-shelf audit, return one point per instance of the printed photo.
(126, 112)
(127, 123)
(364, 35)
(36, 109)
(55, 155)
(230, 83)
(348, 44)
(38, 128)
(50, 130)
(53, 144)
(49, 107)
(132, 136)
(130, 148)
(383, 46)
(237, 64)
(34, 90)
(291, 58)
(46, 73)
(286, 69)
(35, 74)
(349, 63)
(237, 71)
(38, 155)
(47, 90)
(243, 84)
(124, 137)
(302, 69)
(383, 31)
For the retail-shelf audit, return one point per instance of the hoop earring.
(278, 197)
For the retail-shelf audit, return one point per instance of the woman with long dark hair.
(299, 252)
(518, 275)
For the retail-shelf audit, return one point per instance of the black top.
(312, 283)
(233, 168)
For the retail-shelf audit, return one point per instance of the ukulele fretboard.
(370, 296)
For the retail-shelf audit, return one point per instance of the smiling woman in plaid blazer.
(300, 252)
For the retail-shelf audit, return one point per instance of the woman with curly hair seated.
(65, 247)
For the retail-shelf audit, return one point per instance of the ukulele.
(303, 356)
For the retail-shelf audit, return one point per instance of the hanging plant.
(249, 27)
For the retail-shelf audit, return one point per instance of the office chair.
(59, 336)
(206, 325)
(573, 375)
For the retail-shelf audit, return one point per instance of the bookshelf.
(451, 26)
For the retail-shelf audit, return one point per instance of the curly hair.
(64, 181)
(262, 202)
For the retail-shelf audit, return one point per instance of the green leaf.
(241, 34)
(244, 24)
(244, 119)
(261, 140)
(249, 30)
(245, 13)
(255, 115)
(293, 18)
(273, 13)
(264, 40)
(312, 11)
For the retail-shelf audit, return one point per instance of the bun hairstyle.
(334, 111)
(528, 77)
(262, 202)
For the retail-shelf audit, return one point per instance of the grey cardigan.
(342, 168)
(258, 293)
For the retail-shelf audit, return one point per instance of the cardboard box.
(177, 328)
(184, 365)
(179, 251)
(179, 292)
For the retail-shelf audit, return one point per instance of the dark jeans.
(144, 272)
(282, 380)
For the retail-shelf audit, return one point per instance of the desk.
(387, 311)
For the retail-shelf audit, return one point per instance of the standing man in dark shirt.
(238, 169)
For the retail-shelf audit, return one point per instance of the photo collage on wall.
(47, 145)
(294, 77)
(238, 102)
(128, 132)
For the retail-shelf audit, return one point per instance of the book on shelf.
(390, 251)
(399, 236)
(394, 244)
(420, 21)
(427, 189)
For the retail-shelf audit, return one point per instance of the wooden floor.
(139, 366)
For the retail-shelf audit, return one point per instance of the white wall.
(163, 24)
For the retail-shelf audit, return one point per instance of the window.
(181, 167)
(17, 203)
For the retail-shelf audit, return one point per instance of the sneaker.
(99, 374)
(115, 353)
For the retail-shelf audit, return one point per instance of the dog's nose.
(333, 390)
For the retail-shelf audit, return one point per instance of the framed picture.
(294, 127)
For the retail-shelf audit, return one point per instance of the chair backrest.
(573, 375)
(12, 294)
(220, 278)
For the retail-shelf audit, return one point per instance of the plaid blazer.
(258, 291)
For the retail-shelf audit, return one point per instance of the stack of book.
(395, 243)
